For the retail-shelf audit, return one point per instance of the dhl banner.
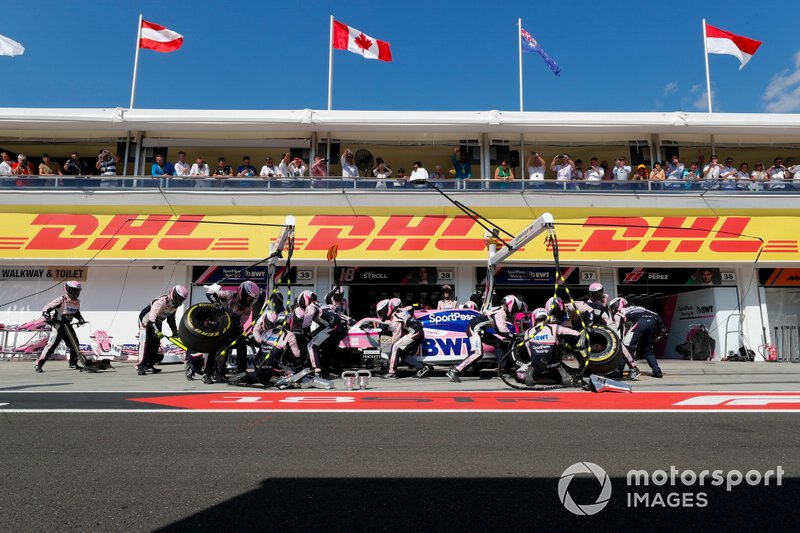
(377, 236)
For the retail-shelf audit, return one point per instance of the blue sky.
(614, 56)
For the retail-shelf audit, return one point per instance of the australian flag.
(529, 44)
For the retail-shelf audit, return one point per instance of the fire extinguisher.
(769, 352)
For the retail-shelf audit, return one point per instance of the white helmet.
(617, 305)
(470, 305)
(596, 292)
(270, 319)
(385, 308)
(306, 298)
(539, 315)
(555, 306)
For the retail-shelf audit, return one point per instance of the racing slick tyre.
(604, 350)
(205, 328)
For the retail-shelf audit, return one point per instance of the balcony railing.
(130, 183)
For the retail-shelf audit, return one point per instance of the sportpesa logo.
(584, 469)
(449, 317)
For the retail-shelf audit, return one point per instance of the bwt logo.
(584, 469)
(705, 309)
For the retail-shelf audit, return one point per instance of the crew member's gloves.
(213, 289)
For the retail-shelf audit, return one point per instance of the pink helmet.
(248, 291)
(306, 298)
(178, 295)
(470, 305)
(555, 306)
(73, 289)
(511, 304)
(270, 319)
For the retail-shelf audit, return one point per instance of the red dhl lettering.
(68, 232)
(676, 234)
(400, 232)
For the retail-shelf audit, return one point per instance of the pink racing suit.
(407, 335)
(64, 309)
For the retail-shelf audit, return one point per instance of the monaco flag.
(158, 38)
(722, 42)
(347, 38)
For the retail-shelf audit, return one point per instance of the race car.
(368, 341)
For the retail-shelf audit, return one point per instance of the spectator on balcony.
(462, 167)
(503, 174)
(694, 172)
(675, 169)
(182, 167)
(641, 173)
(577, 173)
(621, 170)
(349, 169)
(382, 173)
(728, 175)
(269, 170)
(22, 168)
(657, 174)
(743, 176)
(563, 166)
(711, 173)
(594, 174)
(224, 170)
(758, 176)
(536, 167)
(419, 175)
(107, 163)
(607, 175)
(319, 168)
(795, 170)
(199, 169)
(401, 179)
(162, 167)
(437, 177)
(75, 166)
(777, 175)
(48, 167)
(246, 170)
(6, 166)
(292, 168)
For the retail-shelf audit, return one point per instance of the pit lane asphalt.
(375, 472)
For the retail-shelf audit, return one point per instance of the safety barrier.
(257, 184)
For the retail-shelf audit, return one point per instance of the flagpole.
(136, 60)
(519, 50)
(330, 68)
(708, 75)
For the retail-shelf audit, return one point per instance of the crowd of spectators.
(675, 174)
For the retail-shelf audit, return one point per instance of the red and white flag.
(347, 38)
(722, 42)
(158, 38)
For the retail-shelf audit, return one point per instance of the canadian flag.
(347, 38)
(722, 42)
(158, 38)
